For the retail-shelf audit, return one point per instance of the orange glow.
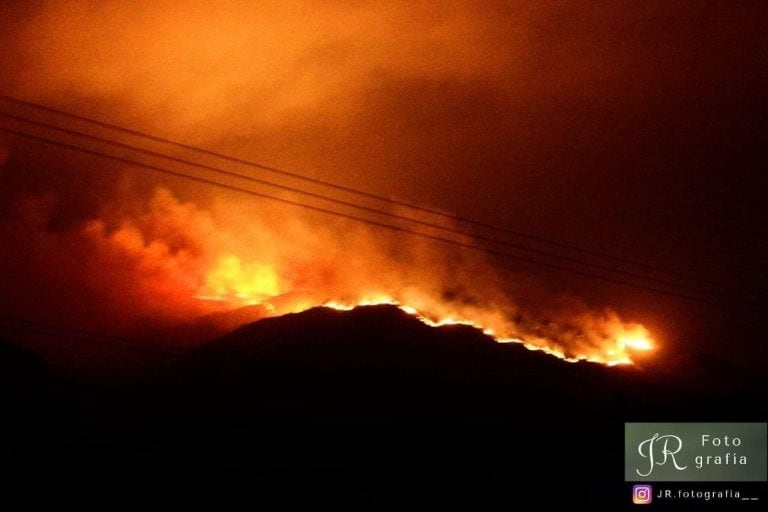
(248, 283)
(637, 341)
(180, 261)
(614, 352)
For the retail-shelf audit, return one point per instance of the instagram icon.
(642, 494)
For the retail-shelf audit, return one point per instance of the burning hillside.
(168, 261)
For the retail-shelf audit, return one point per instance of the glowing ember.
(616, 351)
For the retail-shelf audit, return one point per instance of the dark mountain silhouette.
(29, 390)
(379, 362)
(363, 407)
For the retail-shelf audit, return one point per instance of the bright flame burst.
(251, 283)
(617, 351)
(234, 284)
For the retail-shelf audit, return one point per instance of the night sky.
(634, 129)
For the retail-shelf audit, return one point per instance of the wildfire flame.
(237, 284)
(617, 351)
(178, 261)
(251, 283)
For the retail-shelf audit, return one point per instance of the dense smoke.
(559, 120)
(160, 262)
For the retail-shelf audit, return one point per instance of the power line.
(375, 223)
(102, 339)
(362, 193)
(348, 204)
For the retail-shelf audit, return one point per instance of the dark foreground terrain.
(362, 407)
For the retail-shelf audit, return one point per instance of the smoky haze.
(632, 129)
(576, 121)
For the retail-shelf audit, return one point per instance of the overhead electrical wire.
(368, 209)
(381, 224)
(100, 339)
(362, 193)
